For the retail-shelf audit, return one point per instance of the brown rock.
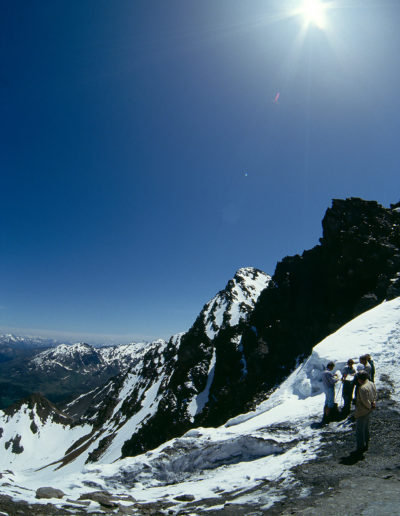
(49, 492)
(101, 497)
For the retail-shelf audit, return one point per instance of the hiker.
(365, 403)
(348, 374)
(362, 366)
(329, 380)
(371, 363)
(367, 366)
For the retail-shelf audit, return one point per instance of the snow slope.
(248, 450)
(35, 434)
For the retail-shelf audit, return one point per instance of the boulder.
(49, 492)
(101, 497)
(185, 498)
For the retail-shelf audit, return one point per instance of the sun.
(314, 13)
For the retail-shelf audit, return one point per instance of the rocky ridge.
(354, 268)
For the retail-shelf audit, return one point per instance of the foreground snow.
(249, 449)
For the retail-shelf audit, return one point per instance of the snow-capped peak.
(236, 301)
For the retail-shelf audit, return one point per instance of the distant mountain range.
(58, 372)
(22, 342)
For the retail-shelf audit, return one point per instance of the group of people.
(360, 381)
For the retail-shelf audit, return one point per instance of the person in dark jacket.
(348, 385)
(371, 363)
(367, 366)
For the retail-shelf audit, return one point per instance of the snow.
(198, 402)
(48, 444)
(149, 407)
(119, 427)
(248, 450)
(128, 352)
(243, 291)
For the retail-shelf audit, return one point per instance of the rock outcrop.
(355, 267)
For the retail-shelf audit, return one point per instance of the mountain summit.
(233, 304)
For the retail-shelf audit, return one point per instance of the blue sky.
(143, 159)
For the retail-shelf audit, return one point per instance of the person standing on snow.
(371, 363)
(365, 404)
(348, 385)
(362, 366)
(329, 380)
(367, 366)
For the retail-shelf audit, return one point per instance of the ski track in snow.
(250, 448)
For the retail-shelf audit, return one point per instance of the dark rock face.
(43, 408)
(16, 445)
(183, 378)
(355, 267)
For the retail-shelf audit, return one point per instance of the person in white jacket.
(329, 380)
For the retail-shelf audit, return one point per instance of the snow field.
(48, 444)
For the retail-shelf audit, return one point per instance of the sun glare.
(314, 12)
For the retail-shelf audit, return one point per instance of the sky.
(149, 149)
